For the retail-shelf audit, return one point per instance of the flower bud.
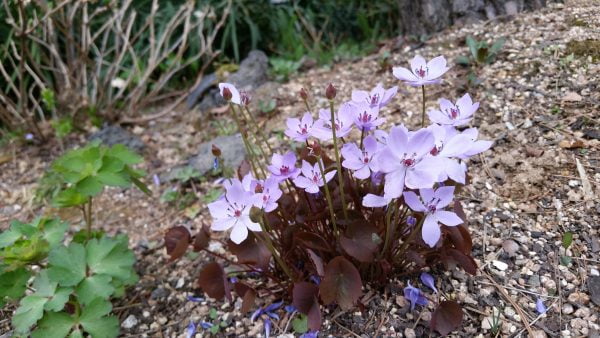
(245, 98)
(227, 94)
(330, 92)
(303, 94)
(315, 149)
(216, 151)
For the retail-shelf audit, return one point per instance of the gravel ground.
(538, 181)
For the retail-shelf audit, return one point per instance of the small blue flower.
(428, 280)
(233, 280)
(195, 299)
(415, 296)
(156, 180)
(310, 334)
(411, 221)
(29, 137)
(540, 307)
(206, 325)
(216, 163)
(315, 279)
(267, 327)
(191, 330)
(290, 309)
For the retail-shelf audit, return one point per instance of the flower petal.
(448, 218)
(239, 233)
(431, 230)
(374, 201)
(413, 201)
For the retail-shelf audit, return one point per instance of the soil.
(541, 179)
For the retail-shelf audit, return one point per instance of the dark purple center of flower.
(432, 207)
(304, 130)
(409, 162)
(364, 117)
(374, 99)
(315, 178)
(434, 151)
(453, 113)
(284, 170)
(421, 72)
(237, 213)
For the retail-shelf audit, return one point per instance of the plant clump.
(352, 204)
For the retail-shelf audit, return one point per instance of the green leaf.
(141, 186)
(113, 179)
(54, 231)
(463, 60)
(58, 300)
(300, 324)
(565, 260)
(112, 164)
(567, 239)
(67, 264)
(8, 237)
(212, 313)
(124, 154)
(14, 283)
(69, 198)
(94, 321)
(497, 46)
(43, 286)
(31, 309)
(76, 334)
(96, 286)
(110, 256)
(54, 325)
(89, 186)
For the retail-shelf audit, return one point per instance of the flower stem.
(259, 132)
(362, 137)
(423, 107)
(269, 244)
(337, 161)
(388, 226)
(245, 139)
(411, 237)
(327, 195)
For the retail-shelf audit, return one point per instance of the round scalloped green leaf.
(94, 321)
(13, 283)
(94, 287)
(8, 237)
(110, 256)
(89, 186)
(43, 286)
(113, 179)
(58, 300)
(67, 264)
(124, 154)
(30, 310)
(54, 231)
(54, 325)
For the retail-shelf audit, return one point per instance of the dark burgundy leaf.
(447, 317)
(177, 240)
(342, 283)
(202, 239)
(312, 241)
(358, 241)
(317, 261)
(251, 251)
(458, 210)
(213, 281)
(304, 298)
(415, 257)
(248, 300)
(465, 261)
(459, 236)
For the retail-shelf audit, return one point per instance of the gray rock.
(129, 322)
(111, 135)
(594, 289)
(430, 16)
(251, 74)
(159, 293)
(206, 82)
(232, 152)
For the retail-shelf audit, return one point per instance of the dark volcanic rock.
(111, 135)
(430, 16)
(253, 72)
(232, 152)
